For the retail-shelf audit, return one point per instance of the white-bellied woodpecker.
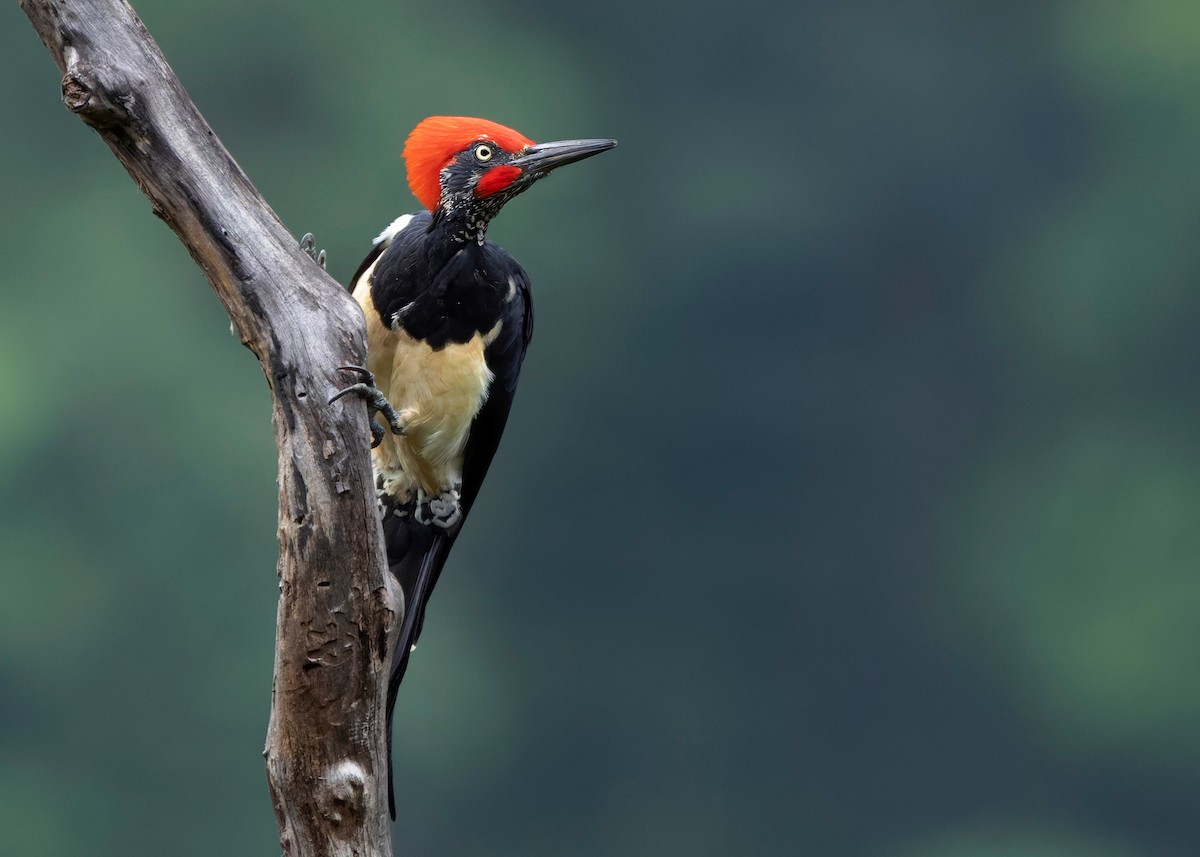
(449, 319)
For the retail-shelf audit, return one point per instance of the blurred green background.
(851, 502)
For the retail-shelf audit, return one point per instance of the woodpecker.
(449, 318)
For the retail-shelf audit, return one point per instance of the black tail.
(416, 554)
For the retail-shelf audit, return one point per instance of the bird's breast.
(436, 391)
(444, 387)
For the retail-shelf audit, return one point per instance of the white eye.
(483, 152)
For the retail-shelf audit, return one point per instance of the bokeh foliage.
(850, 502)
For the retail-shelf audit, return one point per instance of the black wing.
(504, 357)
(385, 239)
(417, 553)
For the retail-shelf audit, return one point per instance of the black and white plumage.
(461, 318)
(449, 318)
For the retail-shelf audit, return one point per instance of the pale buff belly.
(437, 395)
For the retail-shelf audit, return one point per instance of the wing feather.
(417, 552)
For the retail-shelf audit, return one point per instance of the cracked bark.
(338, 610)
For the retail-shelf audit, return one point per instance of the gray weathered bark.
(338, 612)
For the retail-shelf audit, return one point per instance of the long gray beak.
(541, 158)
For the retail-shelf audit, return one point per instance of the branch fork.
(339, 610)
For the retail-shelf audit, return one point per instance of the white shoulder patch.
(396, 227)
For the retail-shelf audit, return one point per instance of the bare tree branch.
(326, 759)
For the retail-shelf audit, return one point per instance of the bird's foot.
(309, 245)
(377, 403)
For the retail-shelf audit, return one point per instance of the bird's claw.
(377, 403)
(309, 245)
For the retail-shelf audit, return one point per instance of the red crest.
(435, 142)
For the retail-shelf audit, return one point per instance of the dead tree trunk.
(326, 759)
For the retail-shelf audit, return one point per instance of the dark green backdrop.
(851, 502)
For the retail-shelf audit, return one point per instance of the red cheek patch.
(496, 179)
